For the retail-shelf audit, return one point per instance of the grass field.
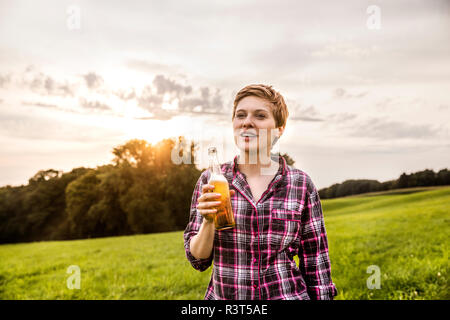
(405, 234)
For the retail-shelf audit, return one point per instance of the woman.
(277, 211)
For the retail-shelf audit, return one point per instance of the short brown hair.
(279, 108)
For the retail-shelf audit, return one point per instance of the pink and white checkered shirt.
(254, 260)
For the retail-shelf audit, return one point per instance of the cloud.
(41, 83)
(205, 103)
(40, 104)
(164, 98)
(126, 94)
(89, 105)
(380, 128)
(165, 90)
(339, 123)
(383, 104)
(4, 80)
(44, 84)
(150, 100)
(93, 80)
(340, 93)
(93, 105)
(340, 118)
(298, 112)
(164, 85)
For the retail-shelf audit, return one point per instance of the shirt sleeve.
(193, 226)
(314, 259)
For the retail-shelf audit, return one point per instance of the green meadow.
(404, 234)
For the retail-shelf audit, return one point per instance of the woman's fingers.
(208, 204)
(208, 201)
(207, 188)
(207, 211)
(208, 214)
(209, 196)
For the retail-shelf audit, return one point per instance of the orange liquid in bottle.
(224, 218)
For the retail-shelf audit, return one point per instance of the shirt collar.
(239, 181)
(276, 157)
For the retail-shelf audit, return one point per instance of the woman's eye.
(240, 116)
(260, 116)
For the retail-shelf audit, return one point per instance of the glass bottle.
(223, 218)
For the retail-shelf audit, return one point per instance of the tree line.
(417, 179)
(142, 191)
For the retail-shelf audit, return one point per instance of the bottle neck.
(214, 165)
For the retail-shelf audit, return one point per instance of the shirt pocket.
(284, 228)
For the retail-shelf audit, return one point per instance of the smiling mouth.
(248, 135)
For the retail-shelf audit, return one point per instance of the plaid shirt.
(254, 260)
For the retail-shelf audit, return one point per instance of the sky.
(367, 83)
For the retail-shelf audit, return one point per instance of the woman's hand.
(208, 202)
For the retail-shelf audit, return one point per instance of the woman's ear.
(278, 134)
(280, 131)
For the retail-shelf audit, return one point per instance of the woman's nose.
(247, 122)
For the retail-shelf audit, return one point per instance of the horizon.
(202, 168)
(366, 84)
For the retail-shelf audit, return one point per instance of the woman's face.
(254, 125)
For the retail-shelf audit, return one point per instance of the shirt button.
(255, 286)
(254, 260)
